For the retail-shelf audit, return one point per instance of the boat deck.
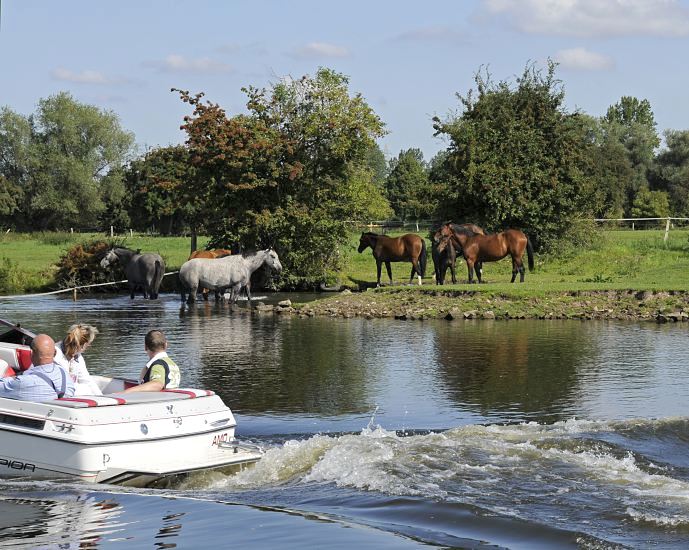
(130, 398)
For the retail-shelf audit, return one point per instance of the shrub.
(80, 265)
(10, 277)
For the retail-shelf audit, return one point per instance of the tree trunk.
(193, 240)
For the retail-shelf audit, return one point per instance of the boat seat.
(5, 369)
(23, 357)
(84, 401)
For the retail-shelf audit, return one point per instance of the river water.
(391, 434)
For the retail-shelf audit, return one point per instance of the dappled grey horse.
(233, 272)
(142, 270)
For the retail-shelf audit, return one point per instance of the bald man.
(44, 380)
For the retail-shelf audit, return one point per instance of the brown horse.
(407, 248)
(448, 257)
(491, 248)
(209, 255)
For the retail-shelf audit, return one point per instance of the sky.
(409, 60)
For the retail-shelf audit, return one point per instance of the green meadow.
(619, 259)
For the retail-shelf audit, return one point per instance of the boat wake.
(627, 470)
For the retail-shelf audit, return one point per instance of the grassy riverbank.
(28, 260)
(621, 261)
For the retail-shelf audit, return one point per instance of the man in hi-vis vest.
(161, 372)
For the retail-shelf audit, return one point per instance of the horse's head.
(442, 243)
(364, 242)
(442, 232)
(272, 260)
(109, 259)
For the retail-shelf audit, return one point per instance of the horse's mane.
(371, 234)
(250, 253)
(459, 228)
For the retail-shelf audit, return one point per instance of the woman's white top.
(76, 369)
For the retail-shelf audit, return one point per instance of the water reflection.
(507, 367)
(78, 520)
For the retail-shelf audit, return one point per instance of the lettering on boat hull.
(17, 465)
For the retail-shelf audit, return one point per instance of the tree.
(407, 186)
(650, 204)
(671, 171)
(291, 172)
(59, 158)
(162, 191)
(517, 159)
(630, 122)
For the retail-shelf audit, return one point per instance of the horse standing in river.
(491, 248)
(142, 270)
(233, 272)
(209, 255)
(407, 248)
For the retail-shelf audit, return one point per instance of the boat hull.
(139, 442)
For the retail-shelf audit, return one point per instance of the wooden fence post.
(667, 230)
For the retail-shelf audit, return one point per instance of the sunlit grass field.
(621, 259)
(626, 259)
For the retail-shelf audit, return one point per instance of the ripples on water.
(392, 434)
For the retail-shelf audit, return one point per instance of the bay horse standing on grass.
(407, 248)
(491, 248)
(448, 256)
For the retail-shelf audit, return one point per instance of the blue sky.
(408, 59)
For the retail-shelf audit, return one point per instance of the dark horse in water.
(490, 248)
(407, 248)
(142, 270)
(448, 256)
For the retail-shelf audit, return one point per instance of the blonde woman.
(68, 355)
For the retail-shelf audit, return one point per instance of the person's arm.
(83, 377)
(156, 380)
(151, 385)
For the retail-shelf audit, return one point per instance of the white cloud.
(583, 59)
(321, 49)
(431, 34)
(84, 77)
(180, 64)
(588, 18)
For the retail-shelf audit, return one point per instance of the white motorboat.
(132, 439)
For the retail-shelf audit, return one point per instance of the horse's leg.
(515, 269)
(470, 267)
(247, 288)
(132, 291)
(479, 271)
(415, 269)
(379, 264)
(452, 272)
(389, 269)
(193, 289)
(205, 292)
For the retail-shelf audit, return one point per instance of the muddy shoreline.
(406, 304)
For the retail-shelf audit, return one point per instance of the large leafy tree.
(407, 186)
(291, 172)
(518, 159)
(671, 171)
(630, 122)
(161, 189)
(62, 158)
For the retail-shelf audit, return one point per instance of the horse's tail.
(158, 277)
(422, 258)
(529, 253)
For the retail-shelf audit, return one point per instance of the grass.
(34, 255)
(619, 260)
